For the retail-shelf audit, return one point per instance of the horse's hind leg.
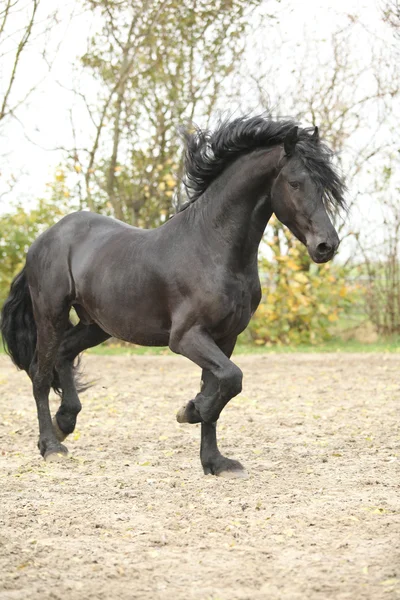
(75, 341)
(51, 326)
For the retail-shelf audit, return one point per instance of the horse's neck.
(238, 204)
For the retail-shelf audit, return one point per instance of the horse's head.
(305, 184)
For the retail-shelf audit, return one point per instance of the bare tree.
(24, 25)
(156, 64)
(353, 99)
(391, 15)
(381, 257)
(20, 25)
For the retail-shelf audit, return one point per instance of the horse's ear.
(315, 135)
(290, 141)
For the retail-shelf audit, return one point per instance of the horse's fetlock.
(66, 422)
(208, 415)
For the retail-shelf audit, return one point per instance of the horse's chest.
(238, 300)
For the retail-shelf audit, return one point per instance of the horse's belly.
(144, 334)
(134, 324)
(147, 338)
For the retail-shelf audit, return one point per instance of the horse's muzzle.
(322, 252)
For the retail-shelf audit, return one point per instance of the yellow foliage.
(17, 232)
(300, 299)
(293, 265)
(170, 181)
(300, 277)
(60, 176)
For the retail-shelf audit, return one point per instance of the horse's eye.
(294, 184)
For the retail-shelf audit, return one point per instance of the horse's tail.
(19, 333)
(18, 327)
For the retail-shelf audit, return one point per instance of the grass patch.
(331, 346)
(334, 345)
(114, 349)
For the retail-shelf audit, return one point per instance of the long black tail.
(18, 327)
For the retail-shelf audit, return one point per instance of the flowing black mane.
(208, 153)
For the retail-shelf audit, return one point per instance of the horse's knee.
(230, 385)
(232, 381)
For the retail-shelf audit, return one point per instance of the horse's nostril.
(324, 248)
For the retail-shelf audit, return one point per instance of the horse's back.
(84, 225)
(77, 240)
(79, 232)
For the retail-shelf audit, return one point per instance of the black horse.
(191, 284)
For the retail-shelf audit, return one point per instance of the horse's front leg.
(221, 381)
(197, 345)
(212, 460)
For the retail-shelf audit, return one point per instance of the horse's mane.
(208, 153)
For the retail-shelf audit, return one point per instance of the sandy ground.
(130, 515)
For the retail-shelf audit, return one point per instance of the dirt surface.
(130, 515)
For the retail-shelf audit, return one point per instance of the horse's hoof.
(59, 433)
(236, 474)
(181, 415)
(55, 457)
(56, 454)
(225, 467)
(188, 414)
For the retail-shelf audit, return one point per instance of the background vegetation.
(151, 66)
